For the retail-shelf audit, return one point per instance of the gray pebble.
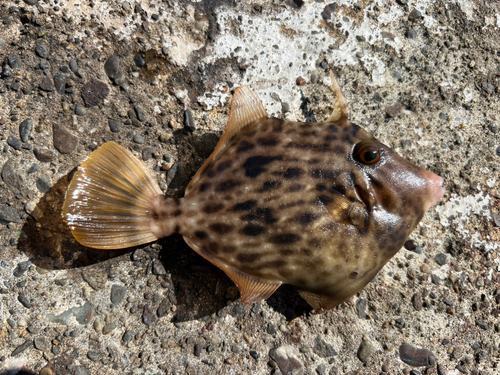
(109, 327)
(189, 123)
(365, 350)
(47, 84)
(24, 300)
(8, 215)
(14, 142)
(12, 323)
(158, 268)
(80, 110)
(136, 123)
(440, 259)
(93, 355)
(42, 51)
(285, 107)
(6, 71)
(14, 61)
(11, 177)
(361, 306)
(73, 65)
(323, 349)
(21, 348)
(94, 92)
(416, 357)
(82, 371)
(44, 154)
(414, 15)
(114, 125)
(497, 151)
(41, 343)
(112, 66)
(7, 20)
(60, 83)
(141, 113)
(64, 141)
(138, 138)
(493, 128)
(25, 129)
(44, 184)
(147, 153)
(117, 293)
(34, 168)
(287, 358)
(496, 219)
(21, 268)
(128, 335)
(44, 65)
(148, 316)
(411, 34)
(139, 61)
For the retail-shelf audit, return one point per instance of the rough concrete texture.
(422, 76)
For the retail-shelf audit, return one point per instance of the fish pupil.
(370, 156)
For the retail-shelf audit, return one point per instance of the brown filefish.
(322, 206)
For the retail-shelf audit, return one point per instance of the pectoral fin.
(340, 108)
(319, 302)
(251, 288)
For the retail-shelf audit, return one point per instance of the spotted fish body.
(321, 206)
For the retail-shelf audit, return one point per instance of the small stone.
(93, 355)
(323, 349)
(482, 325)
(47, 84)
(94, 92)
(73, 65)
(21, 267)
(60, 83)
(42, 51)
(301, 81)
(414, 15)
(417, 301)
(109, 327)
(139, 61)
(8, 215)
(496, 219)
(136, 123)
(114, 126)
(321, 369)
(14, 61)
(497, 151)
(14, 142)
(117, 293)
(24, 300)
(148, 316)
(25, 129)
(361, 306)
(365, 350)
(328, 10)
(158, 268)
(141, 113)
(64, 141)
(189, 123)
(440, 259)
(47, 371)
(41, 343)
(416, 357)
(44, 155)
(394, 111)
(493, 128)
(21, 348)
(80, 110)
(287, 359)
(128, 335)
(139, 139)
(411, 34)
(112, 66)
(410, 244)
(43, 184)
(271, 329)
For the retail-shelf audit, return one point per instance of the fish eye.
(367, 152)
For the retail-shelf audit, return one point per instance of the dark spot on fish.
(306, 134)
(338, 189)
(306, 252)
(339, 150)
(245, 146)
(269, 141)
(315, 243)
(177, 213)
(273, 264)
(270, 185)
(177, 202)
(211, 173)
(223, 166)
(305, 125)
(286, 252)
(221, 228)
(325, 199)
(254, 165)
(245, 206)
(296, 187)
(324, 173)
(330, 137)
(213, 247)
(353, 275)
(253, 230)
(278, 126)
(307, 218)
(332, 129)
(325, 147)
(228, 249)
(267, 214)
(320, 187)
(355, 130)
(200, 234)
(248, 258)
(285, 238)
(314, 161)
(227, 185)
(362, 230)
(293, 173)
(346, 138)
(212, 208)
(204, 186)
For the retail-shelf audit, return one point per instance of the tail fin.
(109, 198)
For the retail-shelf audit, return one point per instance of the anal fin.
(319, 302)
(252, 289)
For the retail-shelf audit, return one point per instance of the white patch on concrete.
(467, 6)
(491, 182)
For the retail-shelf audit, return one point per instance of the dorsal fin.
(251, 288)
(318, 302)
(340, 108)
(246, 108)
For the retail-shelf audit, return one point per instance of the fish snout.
(435, 188)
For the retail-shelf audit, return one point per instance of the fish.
(321, 206)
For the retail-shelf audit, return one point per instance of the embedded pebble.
(25, 129)
(117, 293)
(60, 83)
(80, 110)
(189, 123)
(14, 61)
(64, 141)
(8, 215)
(42, 51)
(139, 139)
(112, 66)
(394, 111)
(365, 350)
(41, 343)
(114, 126)
(14, 142)
(416, 357)
(47, 84)
(94, 92)
(128, 335)
(140, 113)
(21, 348)
(148, 316)
(323, 349)
(441, 259)
(44, 155)
(361, 306)
(287, 358)
(139, 61)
